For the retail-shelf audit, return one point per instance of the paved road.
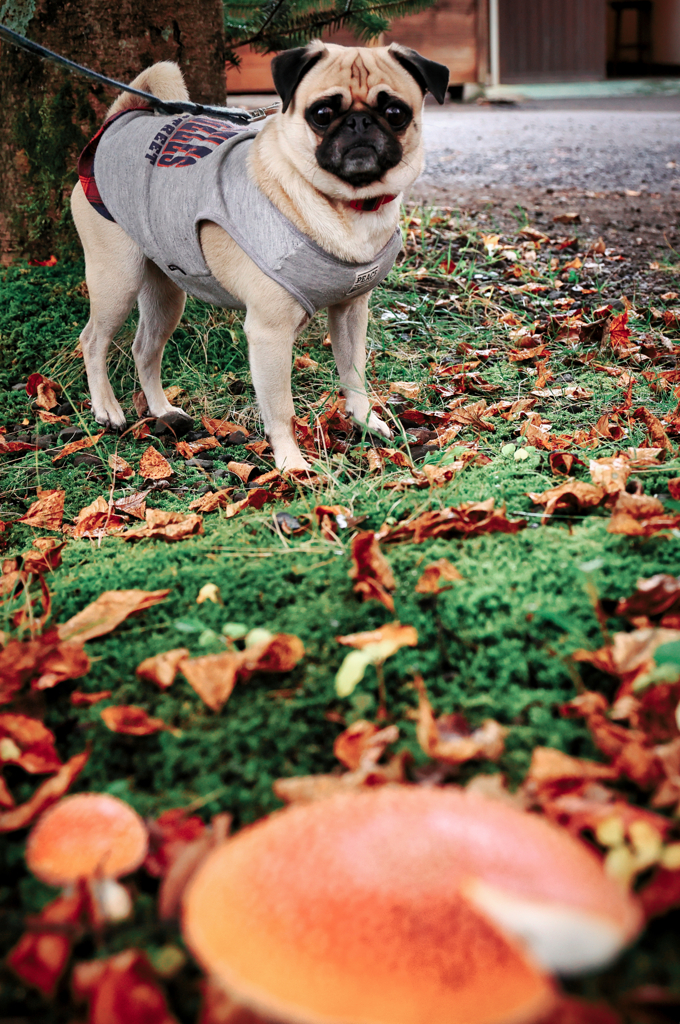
(601, 145)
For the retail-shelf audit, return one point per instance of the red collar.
(369, 205)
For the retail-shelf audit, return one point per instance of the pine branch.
(285, 23)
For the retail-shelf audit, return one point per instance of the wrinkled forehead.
(362, 71)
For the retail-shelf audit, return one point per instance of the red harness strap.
(369, 205)
(86, 164)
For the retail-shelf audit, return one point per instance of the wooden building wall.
(448, 32)
(552, 40)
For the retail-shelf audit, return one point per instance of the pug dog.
(299, 216)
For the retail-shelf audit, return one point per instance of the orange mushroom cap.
(379, 907)
(88, 835)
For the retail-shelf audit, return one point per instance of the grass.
(495, 645)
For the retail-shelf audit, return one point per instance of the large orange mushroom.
(93, 837)
(403, 905)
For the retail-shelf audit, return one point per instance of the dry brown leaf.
(154, 466)
(398, 636)
(449, 737)
(122, 470)
(212, 500)
(161, 669)
(108, 611)
(122, 989)
(221, 428)
(96, 520)
(132, 504)
(305, 363)
(407, 389)
(243, 470)
(28, 743)
(551, 765)
(168, 526)
(191, 448)
(434, 574)
(611, 474)
(213, 676)
(77, 446)
(569, 496)
(131, 720)
(371, 570)
(47, 512)
(471, 519)
(45, 795)
(86, 700)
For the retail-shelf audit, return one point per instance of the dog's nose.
(359, 123)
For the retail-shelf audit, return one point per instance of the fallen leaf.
(221, 428)
(41, 955)
(406, 389)
(96, 520)
(371, 570)
(28, 743)
(131, 720)
(122, 989)
(371, 648)
(551, 765)
(568, 217)
(449, 737)
(47, 512)
(243, 470)
(77, 446)
(44, 661)
(161, 669)
(168, 526)
(434, 574)
(108, 611)
(45, 795)
(570, 496)
(212, 500)
(86, 700)
(611, 474)
(214, 676)
(189, 449)
(657, 435)
(652, 598)
(305, 363)
(122, 470)
(471, 519)
(132, 504)
(154, 466)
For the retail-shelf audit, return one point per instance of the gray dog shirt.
(159, 177)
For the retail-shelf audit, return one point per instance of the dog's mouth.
(359, 149)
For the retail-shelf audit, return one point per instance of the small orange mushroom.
(399, 905)
(91, 836)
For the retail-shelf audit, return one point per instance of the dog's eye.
(396, 115)
(321, 115)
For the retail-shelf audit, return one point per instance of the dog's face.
(351, 116)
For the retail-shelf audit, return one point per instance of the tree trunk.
(47, 114)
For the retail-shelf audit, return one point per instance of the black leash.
(236, 114)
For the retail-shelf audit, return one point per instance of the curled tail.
(164, 80)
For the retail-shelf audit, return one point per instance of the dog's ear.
(291, 66)
(427, 73)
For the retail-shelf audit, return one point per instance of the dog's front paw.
(111, 416)
(374, 425)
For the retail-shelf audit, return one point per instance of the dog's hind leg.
(114, 271)
(161, 304)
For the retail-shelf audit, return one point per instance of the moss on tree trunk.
(47, 115)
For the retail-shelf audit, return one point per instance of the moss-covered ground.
(497, 644)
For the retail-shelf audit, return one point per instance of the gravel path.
(592, 148)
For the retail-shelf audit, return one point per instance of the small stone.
(86, 459)
(71, 434)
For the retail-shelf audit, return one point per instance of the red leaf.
(371, 570)
(45, 795)
(42, 953)
(121, 990)
(131, 720)
(28, 743)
